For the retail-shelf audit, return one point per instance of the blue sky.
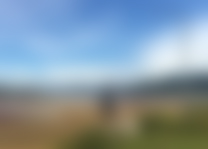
(45, 36)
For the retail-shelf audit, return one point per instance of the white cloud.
(178, 49)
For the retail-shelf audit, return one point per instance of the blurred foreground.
(148, 118)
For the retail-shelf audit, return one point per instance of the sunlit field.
(65, 125)
(156, 129)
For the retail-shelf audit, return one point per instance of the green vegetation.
(187, 131)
